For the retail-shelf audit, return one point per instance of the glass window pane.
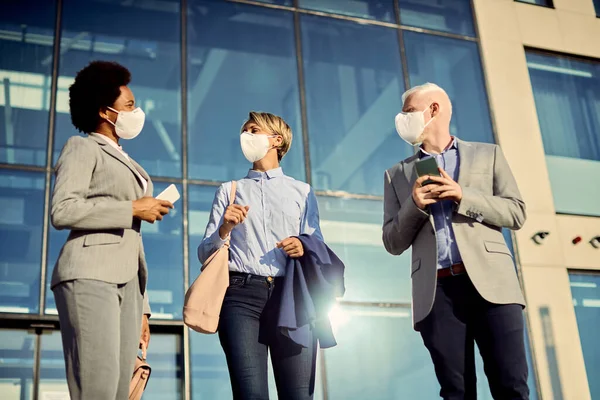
(382, 10)
(597, 7)
(585, 289)
(56, 240)
(455, 66)
(163, 245)
(210, 377)
(53, 378)
(546, 3)
(392, 364)
(454, 16)
(16, 365)
(165, 356)
(352, 228)
(21, 240)
(200, 204)
(353, 88)
(127, 33)
(567, 99)
(25, 79)
(241, 58)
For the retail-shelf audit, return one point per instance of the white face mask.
(411, 125)
(129, 124)
(255, 146)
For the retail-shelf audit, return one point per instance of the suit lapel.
(116, 154)
(409, 169)
(466, 153)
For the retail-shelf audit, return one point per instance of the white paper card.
(170, 194)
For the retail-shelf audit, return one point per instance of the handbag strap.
(231, 200)
(233, 191)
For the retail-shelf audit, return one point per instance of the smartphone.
(428, 166)
(170, 194)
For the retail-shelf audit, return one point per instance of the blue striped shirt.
(280, 207)
(443, 211)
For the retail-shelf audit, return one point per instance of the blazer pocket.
(102, 238)
(416, 265)
(495, 247)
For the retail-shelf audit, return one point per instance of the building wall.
(506, 28)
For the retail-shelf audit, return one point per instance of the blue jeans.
(248, 331)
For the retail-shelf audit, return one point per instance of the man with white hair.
(465, 286)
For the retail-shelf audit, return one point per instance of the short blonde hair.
(275, 125)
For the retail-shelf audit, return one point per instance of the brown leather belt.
(456, 269)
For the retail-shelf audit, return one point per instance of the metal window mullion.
(186, 384)
(302, 93)
(37, 355)
(49, 155)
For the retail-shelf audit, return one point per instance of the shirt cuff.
(217, 241)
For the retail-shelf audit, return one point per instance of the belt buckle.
(452, 270)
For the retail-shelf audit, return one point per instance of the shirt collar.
(109, 141)
(453, 145)
(272, 173)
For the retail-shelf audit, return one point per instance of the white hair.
(425, 88)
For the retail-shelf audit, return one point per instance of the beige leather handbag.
(141, 374)
(203, 300)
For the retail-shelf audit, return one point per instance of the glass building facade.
(335, 71)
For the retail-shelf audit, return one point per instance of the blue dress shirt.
(442, 211)
(280, 207)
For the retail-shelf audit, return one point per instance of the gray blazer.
(93, 193)
(491, 201)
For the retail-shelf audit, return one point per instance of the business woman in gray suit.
(101, 195)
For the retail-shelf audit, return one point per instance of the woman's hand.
(234, 215)
(145, 336)
(292, 247)
(150, 209)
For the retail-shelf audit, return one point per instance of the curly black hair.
(95, 87)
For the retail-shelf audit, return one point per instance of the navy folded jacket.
(310, 286)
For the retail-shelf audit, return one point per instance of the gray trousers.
(100, 324)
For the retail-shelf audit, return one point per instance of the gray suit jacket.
(491, 201)
(93, 193)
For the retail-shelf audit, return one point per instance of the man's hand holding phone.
(446, 188)
(422, 194)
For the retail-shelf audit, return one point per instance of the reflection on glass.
(352, 228)
(241, 58)
(56, 240)
(567, 99)
(26, 40)
(382, 10)
(163, 245)
(53, 379)
(16, 364)
(455, 66)
(210, 377)
(165, 356)
(353, 88)
(126, 32)
(22, 193)
(200, 204)
(585, 289)
(454, 16)
(392, 364)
